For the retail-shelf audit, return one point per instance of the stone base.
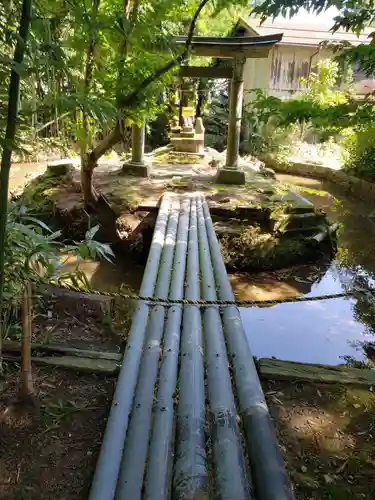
(136, 169)
(60, 167)
(194, 144)
(230, 176)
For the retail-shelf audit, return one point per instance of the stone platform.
(261, 208)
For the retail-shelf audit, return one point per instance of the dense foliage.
(344, 115)
(124, 41)
(34, 253)
(82, 72)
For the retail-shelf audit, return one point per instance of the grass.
(119, 319)
(57, 412)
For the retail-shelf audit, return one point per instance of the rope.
(206, 303)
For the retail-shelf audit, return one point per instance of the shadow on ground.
(326, 434)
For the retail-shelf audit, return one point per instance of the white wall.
(281, 73)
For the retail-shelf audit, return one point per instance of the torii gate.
(238, 49)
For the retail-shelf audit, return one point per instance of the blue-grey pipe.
(230, 476)
(268, 471)
(133, 463)
(190, 471)
(159, 466)
(108, 465)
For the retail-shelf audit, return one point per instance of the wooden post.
(230, 174)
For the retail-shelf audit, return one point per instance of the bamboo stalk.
(26, 390)
(158, 482)
(229, 462)
(13, 103)
(134, 457)
(268, 471)
(190, 459)
(108, 466)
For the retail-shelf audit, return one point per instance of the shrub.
(33, 254)
(216, 119)
(274, 124)
(322, 84)
(359, 151)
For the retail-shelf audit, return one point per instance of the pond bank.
(350, 184)
(331, 332)
(52, 452)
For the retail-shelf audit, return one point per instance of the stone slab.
(136, 169)
(294, 202)
(299, 222)
(230, 176)
(60, 167)
(193, 144)
(290, 370)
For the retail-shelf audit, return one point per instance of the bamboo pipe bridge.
(188, 419)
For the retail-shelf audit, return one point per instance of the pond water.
(329, 330)
(106, 276)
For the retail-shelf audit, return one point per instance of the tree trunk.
(87, 168)
(125, 102)
(26, 390)
(91, 162)
(13, 101)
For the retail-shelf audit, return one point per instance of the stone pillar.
(230, 174)
(137, 165)
(138, 144)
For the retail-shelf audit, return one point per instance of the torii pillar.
(231, 174)
(237, 48)
(137, 165)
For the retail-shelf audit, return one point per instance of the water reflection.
(106, 276)
(327, 330)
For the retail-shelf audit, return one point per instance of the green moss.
(38, 194)
(181, 159)
(119, 319)
(254, 249)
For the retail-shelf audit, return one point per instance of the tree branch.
(52, 121)
(129, 99)
(124, 43)
(109, 141)
(115, 136)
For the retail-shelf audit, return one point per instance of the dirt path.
(327, 436)
(52, 454)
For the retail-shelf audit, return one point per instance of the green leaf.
(91, 232)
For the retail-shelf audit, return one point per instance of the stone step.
(294, 203)
(285, 223)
